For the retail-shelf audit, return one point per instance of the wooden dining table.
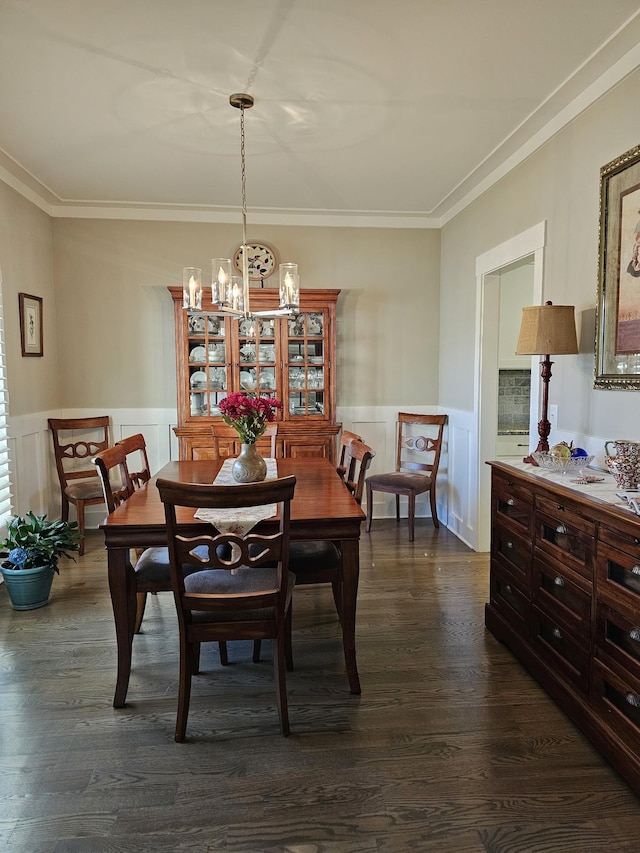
(322, 509)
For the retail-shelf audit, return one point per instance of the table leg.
(350, 574)
(122, 586)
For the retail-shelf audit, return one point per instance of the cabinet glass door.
(257, 354)
(208, 359)
(305, 367)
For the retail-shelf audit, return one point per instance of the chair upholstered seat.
(221, 582)
(395, 481)
(85, 490)
(306, 558)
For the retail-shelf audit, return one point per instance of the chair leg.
(187, 652)
(65, 508)
(224, 658)
(141, 603)
(369, 507)
(336, 588)
(412, 515)
(280, 673)
(257, 647)
(397, 509)
(80, 514)
(288, 644)
(434, 509)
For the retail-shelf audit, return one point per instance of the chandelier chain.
(244, 178)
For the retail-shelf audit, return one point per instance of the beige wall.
(26, 266)
(559, 184)
(115, 317)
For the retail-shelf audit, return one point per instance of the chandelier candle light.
(230, 294)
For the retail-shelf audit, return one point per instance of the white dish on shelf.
(198, 379)
(267, 352)
(247, 380)
(198, 355)
(316, 359)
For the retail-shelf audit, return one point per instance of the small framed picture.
(31, 337)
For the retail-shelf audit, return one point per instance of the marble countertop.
(605, 490)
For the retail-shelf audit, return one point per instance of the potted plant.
(31, 551)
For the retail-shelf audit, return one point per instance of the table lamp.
(546, 330)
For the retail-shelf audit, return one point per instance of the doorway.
(492, 272)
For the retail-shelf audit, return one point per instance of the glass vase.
(249, 467)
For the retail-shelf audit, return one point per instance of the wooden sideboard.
(565, 599)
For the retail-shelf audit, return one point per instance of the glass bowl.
(562, 464)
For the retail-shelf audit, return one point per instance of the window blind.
(5, 484)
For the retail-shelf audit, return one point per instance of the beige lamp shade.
(547, 330)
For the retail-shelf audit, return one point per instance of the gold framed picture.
(618, 306)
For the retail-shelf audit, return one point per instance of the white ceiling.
(366, 110)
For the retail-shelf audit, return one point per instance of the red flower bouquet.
(249, 416)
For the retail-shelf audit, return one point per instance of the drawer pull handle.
(635, 570)
(636, 541)
(557, 633)
(507, 589)
(633, 700)
(558, 581)
(561, 528)
(508, 546)
(634, 634)
(510, 502)
(560, 507)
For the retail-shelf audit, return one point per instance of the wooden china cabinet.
(290, 358)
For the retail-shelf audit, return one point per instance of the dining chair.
(320, 561)
(135, 447)
(234, 597)
(346, 437)
(150, 565)
(75, 443)
(413, 476)
(266, 445)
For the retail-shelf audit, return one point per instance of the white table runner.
(239, 520)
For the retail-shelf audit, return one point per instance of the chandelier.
(230, 293)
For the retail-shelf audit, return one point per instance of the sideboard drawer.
(566, 537)
(618, 579)
(557, 647)
(626, 537)
(509, 600)
(616, 697)
(512, 505)
(564, 596)
(618, 638)
(513, 552)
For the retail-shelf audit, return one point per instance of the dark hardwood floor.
(450, 747)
